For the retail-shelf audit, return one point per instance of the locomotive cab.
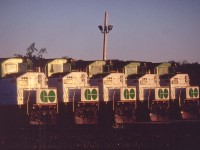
(190, 105)
(86, 110)
(125, 108)
(159, 106)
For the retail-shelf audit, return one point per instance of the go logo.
(129, 93)
(163, 93)
(47, 97)
(193, 93)
(91, 94)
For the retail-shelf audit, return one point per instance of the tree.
(31, 52)
(41, 52)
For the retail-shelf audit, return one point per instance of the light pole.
(106, 29)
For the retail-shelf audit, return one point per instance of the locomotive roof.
(16, 75)
(4, 59)
(13, 75)
(80, 64)
(152, 66)
(118, 64)
(135, 76)
(100, 75)
(167, 76)
(62, 74)
(59, 75)
(43, 62)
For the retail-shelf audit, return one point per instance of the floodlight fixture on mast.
(105, 29)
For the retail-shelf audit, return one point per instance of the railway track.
(174, 135)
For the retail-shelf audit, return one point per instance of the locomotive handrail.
(168, 104)
(27, 106)
(179, 98)
(135, 103)
(140, 93)
(114, 100)
(73, 99)
(19, 94)
(98, 104)
(65, 93)
(149, 98)
(57, 108)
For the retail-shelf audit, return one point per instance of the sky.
(143, 30)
